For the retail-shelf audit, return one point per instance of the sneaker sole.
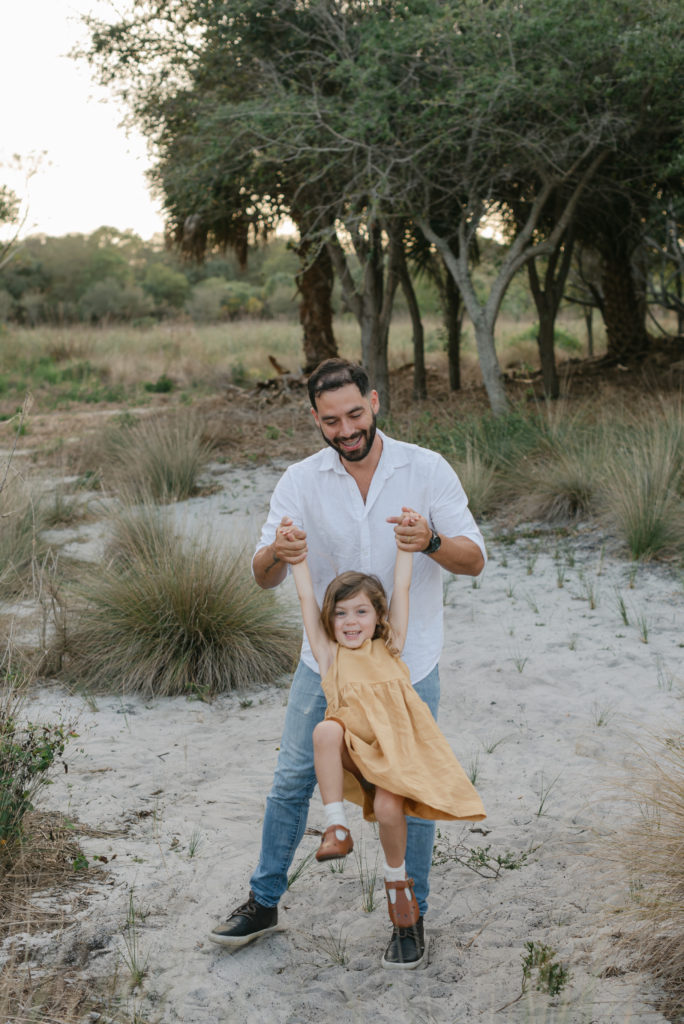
(389, 965)
(238, 941)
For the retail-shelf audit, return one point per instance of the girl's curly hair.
(349, 584)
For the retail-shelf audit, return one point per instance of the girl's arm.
(322, 647)
(399, 605)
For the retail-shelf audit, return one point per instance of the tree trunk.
(547, 299)
(453, 321)
(589, 323)
(489, 364)
(419, 378)
(315, 283)
(372, 306)
(547, 355)
(624, 311)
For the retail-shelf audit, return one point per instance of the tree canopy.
(359, 117)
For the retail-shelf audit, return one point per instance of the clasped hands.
(411, 530)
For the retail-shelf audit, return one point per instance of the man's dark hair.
(335, 373)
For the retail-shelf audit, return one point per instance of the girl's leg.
(389, 810)
(330, 757)
(328, 743)
(401, 902)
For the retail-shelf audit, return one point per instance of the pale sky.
(92, 173)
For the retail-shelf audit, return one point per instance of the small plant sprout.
(531, 560)
(474, 769)
(572, 645)
(519, 659)
(632, 576)
(490, 745)
(368, 877)
(543, 791)
(194, 842)
(532, 603)
(561, 569)
(132, 957)
(334, 947)
(622, 607)
(299, 868)
(644, 626)
(551, 976)
(665, 677)
(510, 590)
(589, 590)
(601, 715)
(602, 556)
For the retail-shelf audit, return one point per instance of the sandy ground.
(545, 696)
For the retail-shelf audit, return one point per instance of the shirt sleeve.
(284, 502)
(449, 512)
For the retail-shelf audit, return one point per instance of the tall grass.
(155, 458)
(166, 615)
(22, 517)
(642, 489)
(652, 849)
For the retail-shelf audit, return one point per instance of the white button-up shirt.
(344, 532)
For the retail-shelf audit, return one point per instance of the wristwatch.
(434, 544)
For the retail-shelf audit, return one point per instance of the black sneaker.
(407, 948)
(245, 924)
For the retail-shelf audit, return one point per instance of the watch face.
(434, 545)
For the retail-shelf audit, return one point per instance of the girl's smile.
(354, 621)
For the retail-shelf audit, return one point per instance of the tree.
(191, 74)
(365, 115)
(9, 217)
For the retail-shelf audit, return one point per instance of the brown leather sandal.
(331, 847)
(404, 912)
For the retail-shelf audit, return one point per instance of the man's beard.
(358, 453)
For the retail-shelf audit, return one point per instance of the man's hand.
(412, 530)
(290, 542)
(289, 547)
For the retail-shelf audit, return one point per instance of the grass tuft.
(651, 849)
(166, 616)
(22, 518)
(157, 459)
(642, 490)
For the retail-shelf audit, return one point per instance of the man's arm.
(458, 555)
(270, 563)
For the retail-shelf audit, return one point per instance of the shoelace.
(247, 909)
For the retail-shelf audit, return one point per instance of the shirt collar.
(394, 454)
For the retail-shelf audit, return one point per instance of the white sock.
(394, 875)
(334, 815)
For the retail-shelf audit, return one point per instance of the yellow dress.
(393, 739)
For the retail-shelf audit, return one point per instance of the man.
(341, 500)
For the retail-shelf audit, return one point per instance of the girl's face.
(354, 620)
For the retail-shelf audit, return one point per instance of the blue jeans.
(287, 805)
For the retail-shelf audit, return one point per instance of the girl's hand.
(412, 531)
(290, 542)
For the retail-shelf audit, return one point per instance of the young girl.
(379, 745)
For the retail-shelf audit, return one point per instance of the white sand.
(530, 669)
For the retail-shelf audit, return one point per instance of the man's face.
(346, 419)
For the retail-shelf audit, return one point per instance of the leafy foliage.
(27, 753)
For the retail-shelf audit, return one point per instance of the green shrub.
(161, 386)
(27, 752)
(166, 615)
